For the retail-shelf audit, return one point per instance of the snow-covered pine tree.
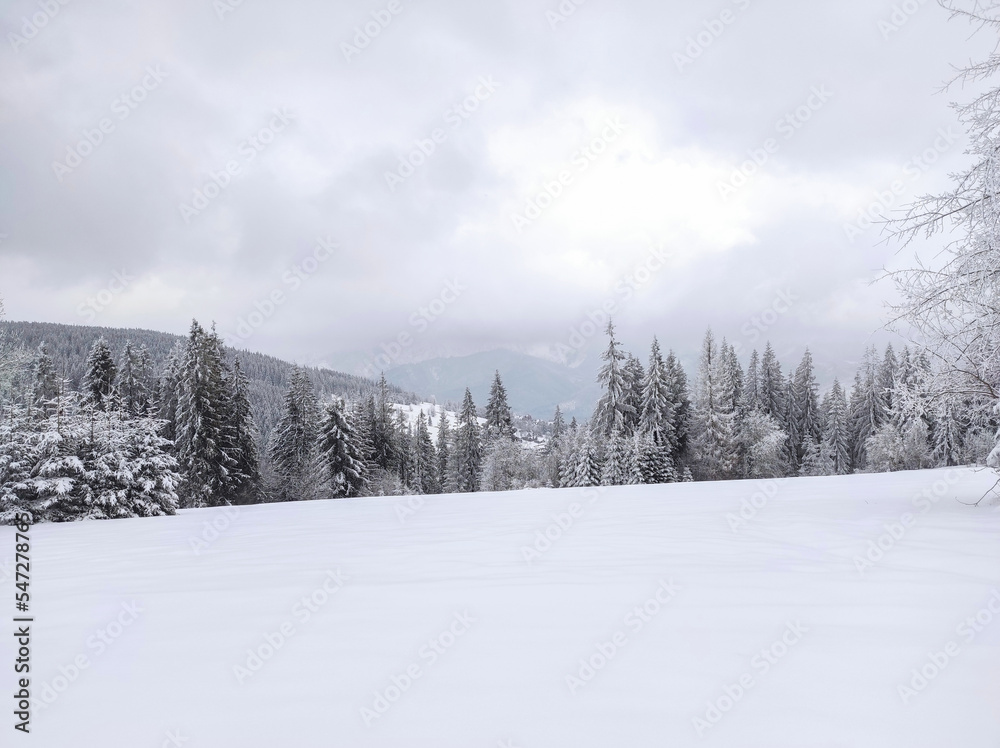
(99, 381)
(613, 409)
(134, 383)
(444, 451)
(657, 406)
(680, 404)
(836, 433)
(817, 458)
(201, 422)
(339, 452)
(713, 438)
(588, 467)
(653, 460)
(424, 461)
(499, 422)
(805, 422)
(47, 384)
(241, 438)
(294, 443)
(751, 386)
(468, 456)
(867, 407)
(634, 376)
(383, 430)
(772, 385)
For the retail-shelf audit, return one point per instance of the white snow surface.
(851, 638)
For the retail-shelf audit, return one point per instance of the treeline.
(69, 345)
(137, 439)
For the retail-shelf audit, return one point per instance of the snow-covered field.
(645, 620)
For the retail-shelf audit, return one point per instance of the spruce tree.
(714, 439)
(658, 408)
(680, 405)
(836, 434)
(99, 381)
(468, 455)
(444, 450)
(201, 439)
(294, 442)
(241, 439)
(613, 410)
(47, 385)
(339, 452)
(499, 422)
(804, 418)
(425, 463)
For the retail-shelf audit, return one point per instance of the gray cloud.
(688, 127)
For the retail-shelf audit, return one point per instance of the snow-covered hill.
(853, 611)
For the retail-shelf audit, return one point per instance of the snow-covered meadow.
(748, 613)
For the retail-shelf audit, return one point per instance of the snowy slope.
(479, 641)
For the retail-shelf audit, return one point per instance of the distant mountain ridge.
(534, 386)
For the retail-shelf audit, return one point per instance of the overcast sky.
(641, 109)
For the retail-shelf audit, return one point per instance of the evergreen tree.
(134, 381)
(47, 385)
(804, 417)
(714, 443)
(240, 439)
(657, 407)
(751, 390)
(424, 461)
(383, 430)
(680, 406)
(634, 376)
(772, 385)
(588, 467)
(444, 449)
(501, 465)
(836, 434)
(867, 407)
(294, 443)
(99, 381)
(339, 452)
(817, 459)
(201, 437)
(613, 410)
(499, 422)
(467, 458)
